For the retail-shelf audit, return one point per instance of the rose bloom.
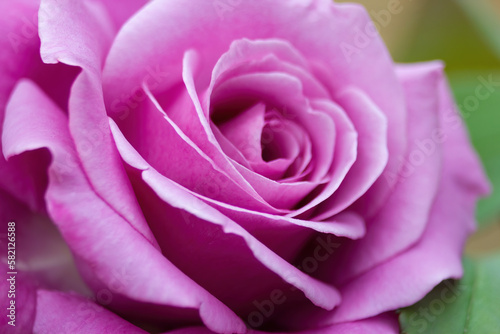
(227, 166)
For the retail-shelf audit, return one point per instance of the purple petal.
(90, 130)
(76, 314)
(371, 126)
(402, 220)
(73, 204)
(382, 324)
(210, 223)
(398, 281)
(122, 11)
(292, 22)
(173, 153)
(25, 179)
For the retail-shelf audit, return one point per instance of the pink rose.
(228, 166)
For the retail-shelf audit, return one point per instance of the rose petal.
(247, 48)
(90, 130)
(76, 315)
(285, 235)
(250, 131)
(60, 19)
(369, 64)
(234, 154)
(382, 324)
(206, 142)
(177, 198)
(271, 55)
(398, 282)
(122, 11)
(283, 143)
(20, 58)
(291, 21)
(73, 204)
(183, 153)
(371, 126)
(451, 221)
(244, 131)
(19, 44)
(402, 220)
(345, 155)
(276, 89)
(280, 89)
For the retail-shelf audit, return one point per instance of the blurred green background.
(465, 34)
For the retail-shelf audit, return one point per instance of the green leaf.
(486, 16)
(482, 115)
(471, 305)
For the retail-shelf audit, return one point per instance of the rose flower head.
(224, 166)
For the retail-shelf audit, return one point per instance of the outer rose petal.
(19, 57)
(63, 313)
(18, 43)
(382, 324)
(399, 282)
(87, 115)
(404, 216)
(77, 315)
(73, 205)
